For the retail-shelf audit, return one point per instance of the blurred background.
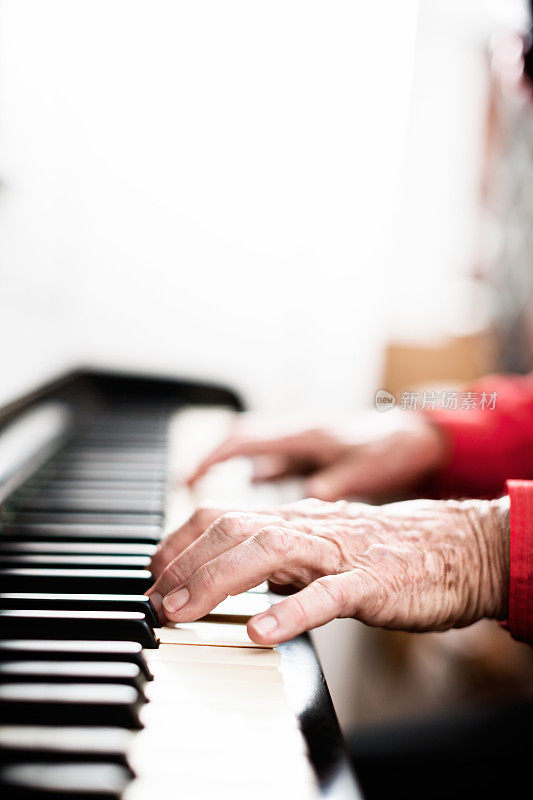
(306, 201)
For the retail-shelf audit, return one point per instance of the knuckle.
(228, 525)
(274, 541)
(232, 519)
(174, 572)
(233, 525)
(333, 591)
(208, 577)
(298, 612)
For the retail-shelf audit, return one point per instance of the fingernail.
(265, 625)
(176, 600)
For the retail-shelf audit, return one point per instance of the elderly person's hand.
(416, 565)
(368, 458)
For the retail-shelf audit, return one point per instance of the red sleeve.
(520, 620)
(489, 445)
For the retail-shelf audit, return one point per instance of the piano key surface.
(80, 602)
(52, 743)
(74, 650)
(81, 532)
(120, 672)
(75, 703)
(99, 581)
(130, 626)
(48, 547)
(73, 561)
(66, 780)
(58, 518)
(70, 540)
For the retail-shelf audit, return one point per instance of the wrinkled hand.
(376, 455)
(415, 565)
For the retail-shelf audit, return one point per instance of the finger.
(272, 468)
(226, 532)
(248, 446)
(271, 550)
(323, 600)
(339, 480)
(179, 540)
(176, 542)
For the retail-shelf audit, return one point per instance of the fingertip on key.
(262, 628)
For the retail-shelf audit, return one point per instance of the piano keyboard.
(97, 701)
(75, 546)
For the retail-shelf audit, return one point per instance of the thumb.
(334, 482)
(271, 468)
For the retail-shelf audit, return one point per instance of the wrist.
(433, 444)
(497, 538)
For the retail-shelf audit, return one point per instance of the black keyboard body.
(79, 520)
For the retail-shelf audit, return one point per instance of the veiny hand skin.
(419, 565)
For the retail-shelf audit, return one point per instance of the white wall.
(203, 187)
(437, 218)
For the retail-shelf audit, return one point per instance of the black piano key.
(73, 650)
(88, 505)
(120, 672)
(50, 561)
(107, 473)
(119, 433)
(63, 624)
(81, 532)
(70, 581)
(76, 548)
(145, 447)
(23, 518)
(81, 491)
(94, 452)
(110, 476)
(39, 780)
(122, 466)
(70, 704)
(67, 471)
(116, 449)
(41, 485)
(81, 602)
(152, 446)
(50, 743)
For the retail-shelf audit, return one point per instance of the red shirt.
(491, 451)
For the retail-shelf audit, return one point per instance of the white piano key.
(240, 607)
(207, 633)
(242, 656)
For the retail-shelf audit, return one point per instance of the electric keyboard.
(96, 700)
